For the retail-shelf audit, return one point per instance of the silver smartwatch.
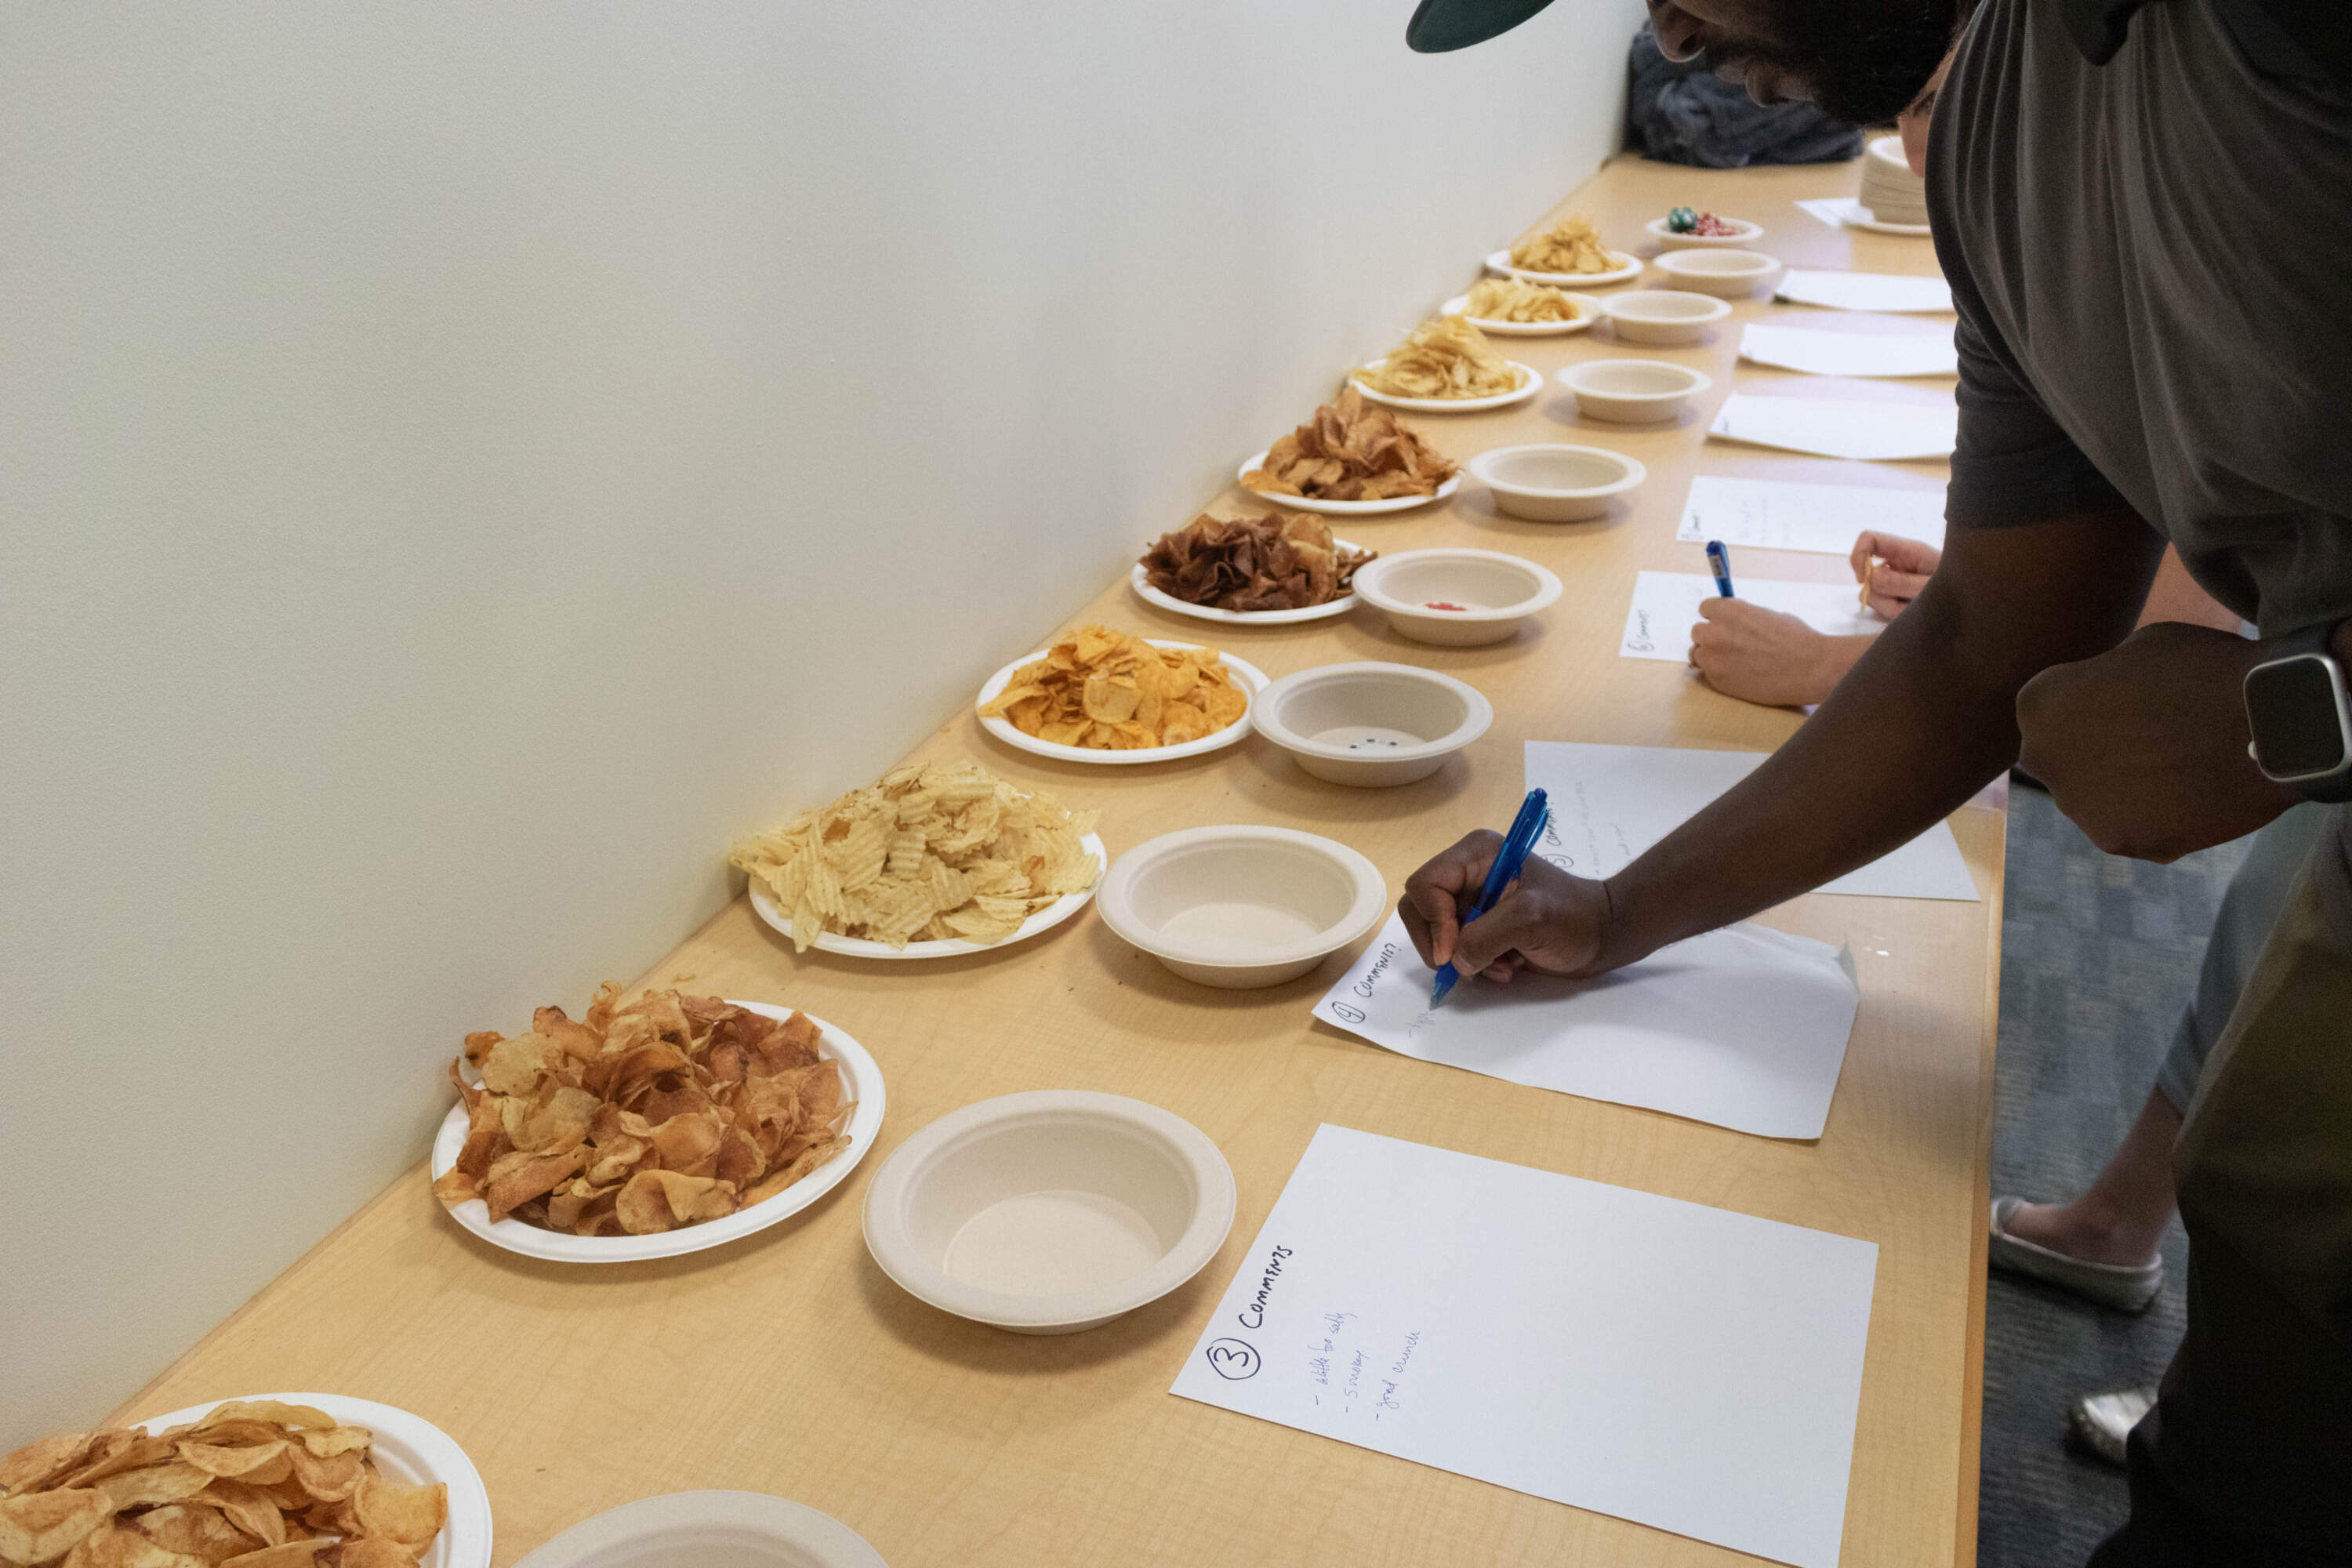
(2302, 722)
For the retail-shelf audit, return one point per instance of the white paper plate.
(1659, 229)
(1627, 267)
(1862, 217)
(1253, 681)
(751, 1529)
(861, 1082)
(407, 1448)
(1347, 508)
(1460, 303)
(1530, 383)
(1140, 582)
(1046, 919)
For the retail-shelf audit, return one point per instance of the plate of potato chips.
(1621, 269)
(1251, 570)
(1111, 696)
(1530, 382)
(277, 1478)
(936, 860)
(1507, 306)
(663, 1125)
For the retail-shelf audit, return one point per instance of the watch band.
(2312, 642)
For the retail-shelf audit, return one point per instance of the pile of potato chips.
(1569, 246)
(1444, 357)
(667, 1111)
(939, 851)
(1514, 300)
(1109, 692)
(1351, 450)
(255, 1484)
(1287, 561)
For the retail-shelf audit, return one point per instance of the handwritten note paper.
(1609, 804)
(1824, 519)
(1849, 354)
(1680, 1366)
(1745, 1027)
(1863, 290)
(1840, 426)
(1666, 607)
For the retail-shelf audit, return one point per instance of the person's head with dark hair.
(1862, 61)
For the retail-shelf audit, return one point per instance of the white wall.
(463, 462)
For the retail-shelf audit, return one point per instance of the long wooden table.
(788, 1363)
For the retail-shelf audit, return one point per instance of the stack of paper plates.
(1889, 189)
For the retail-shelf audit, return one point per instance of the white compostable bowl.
(691, 1529)
(1495, 594)
(1242, 907)
(1049, 1212)
(1373, 723)
(1726, 274)
(1556, 482)
(1742, 232)
(1634, 391)
(1662, 315)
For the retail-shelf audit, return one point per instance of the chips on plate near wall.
(1516, 300)
(1445, 356)
(255, 1483)
(1570, 245)
(1288, 561)
(1352, 450)
(937, 850)
(1108, 691)
(643, 1116)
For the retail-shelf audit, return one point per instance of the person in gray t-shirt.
(2145, 211)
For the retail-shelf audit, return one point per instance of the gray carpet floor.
(2098, 955)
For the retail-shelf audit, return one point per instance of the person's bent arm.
(1926, 717)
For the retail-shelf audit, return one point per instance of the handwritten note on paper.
(1745, 1027)
(1824, 519)
(1680, 1366)
(1863, 290)
(1839, 427)
(1849, 354)
(1609, 804)
(1666, 607)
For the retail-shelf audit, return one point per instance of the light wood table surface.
(788, 1363)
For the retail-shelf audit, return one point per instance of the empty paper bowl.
(1373, 723)
(1242, 907)
(1742, 232)
(1456, 598)
(1728, 274)
(1634, 391)
(1555, 482)
(1049, 1212)
(692, 1529)
(1662, 315)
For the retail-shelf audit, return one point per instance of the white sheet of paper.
(1817, 353)
(1666, 607)
(1744, 1026)
(1680, 1366)
(1863, 290)
(1840, 428)
(1609, 804)
(1826, 519)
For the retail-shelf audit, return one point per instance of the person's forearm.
(1922, 720)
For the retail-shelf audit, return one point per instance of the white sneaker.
(2104, 1421)
(2126, 1287)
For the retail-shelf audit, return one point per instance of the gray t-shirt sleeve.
(2012, 463)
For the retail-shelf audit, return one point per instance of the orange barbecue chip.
(665, 1111)
(1108, 690)
(254, 1484)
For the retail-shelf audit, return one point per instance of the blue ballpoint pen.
(1718, 561)
(1526, 829)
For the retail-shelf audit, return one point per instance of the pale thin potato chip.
(1516, 300)
(1570, 245)
(1443, 357)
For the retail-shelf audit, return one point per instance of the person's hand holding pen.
(1547, 920)
(1892, 570)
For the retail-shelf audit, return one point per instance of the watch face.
(2298, 728)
